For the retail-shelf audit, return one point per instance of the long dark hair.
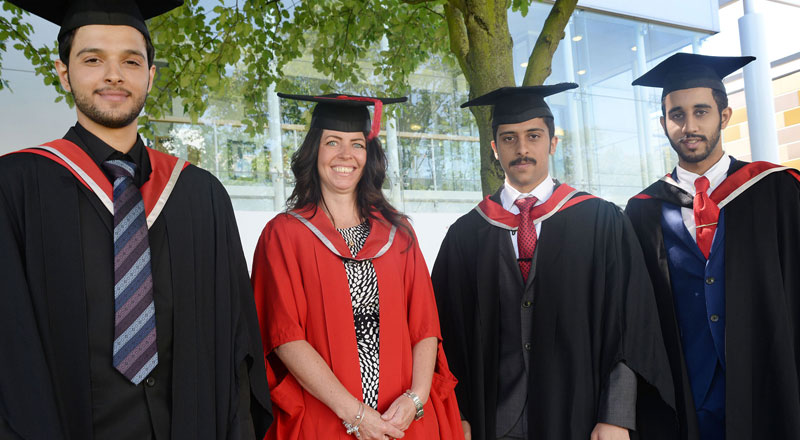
(307, 191)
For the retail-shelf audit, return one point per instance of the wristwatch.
(417, 403)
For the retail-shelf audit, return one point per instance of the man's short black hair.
(65, 46)
(549, 121)
(720, 98)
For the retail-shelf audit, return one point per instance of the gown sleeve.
(278, 287)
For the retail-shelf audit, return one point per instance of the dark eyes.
(532, 136)
(678, 116)
(95, 60)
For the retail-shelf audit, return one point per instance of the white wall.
(28, 115)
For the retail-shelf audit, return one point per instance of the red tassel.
(376, 117)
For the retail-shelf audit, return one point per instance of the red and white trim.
(562, 198)
(104, 192)
(155, 192)
(166, 170)
(740, 181)
(734, 185)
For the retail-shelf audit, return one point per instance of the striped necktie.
(135, 353)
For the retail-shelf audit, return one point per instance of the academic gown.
(592, 308)
(302, 293)
(47, 215)
(762, 297)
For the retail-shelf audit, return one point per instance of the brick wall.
(735, 137)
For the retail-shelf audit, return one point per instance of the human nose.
(346, 151)
(690, 125)
(113, 74)
(523, 147)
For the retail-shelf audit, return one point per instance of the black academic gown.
(45, 389)
(762, 304)
(593, 308)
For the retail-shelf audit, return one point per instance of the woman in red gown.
(348, 317)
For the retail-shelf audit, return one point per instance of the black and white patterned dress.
(364, 296)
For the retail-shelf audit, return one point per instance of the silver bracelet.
(417, 403)
(352, 428)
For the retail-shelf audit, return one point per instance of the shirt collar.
(100, 152)
(542, 192)
(716, 174)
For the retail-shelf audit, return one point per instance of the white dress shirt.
(715, 175)
(509, 195)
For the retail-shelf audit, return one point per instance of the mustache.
(522, 160)
(693, 136)
(113, 89)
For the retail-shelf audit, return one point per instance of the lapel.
(674, 221)
(497, 269)
(63, 276)
(498, 216)
(666, 189)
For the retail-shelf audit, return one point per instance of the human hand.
(604, 431)
(400, 413)
(373, 427)
(467, 430)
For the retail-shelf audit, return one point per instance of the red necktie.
(706, 214)
(526, 240)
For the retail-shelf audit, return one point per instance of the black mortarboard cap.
(688, 70)
(72, 14)
(519, 104)
(346, 113)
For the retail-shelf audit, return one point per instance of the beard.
(108, 118)
(699, 155)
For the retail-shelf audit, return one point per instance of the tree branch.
(541, 59)
(426, 7)
(459, 41)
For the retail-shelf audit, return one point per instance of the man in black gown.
(720, 239)
(547, 314)
(140, 326)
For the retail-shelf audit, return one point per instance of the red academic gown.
(302, 293)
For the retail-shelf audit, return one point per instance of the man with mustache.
(720, 239)
(546, 311)
(126, 309)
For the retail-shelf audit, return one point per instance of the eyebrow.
(361, 139)
(530, 130)
(696, 106)
(101, 51)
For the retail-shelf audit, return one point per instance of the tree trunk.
(480, 40)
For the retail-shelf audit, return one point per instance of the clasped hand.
(389, 425)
